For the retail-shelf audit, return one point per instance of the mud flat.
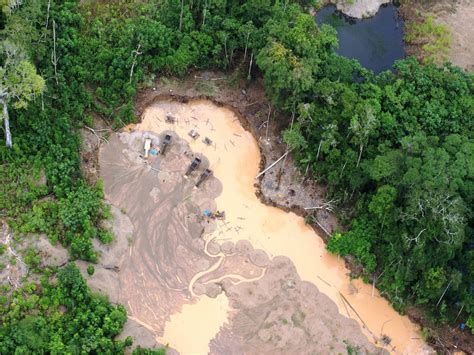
(258, 282)
(181, 286)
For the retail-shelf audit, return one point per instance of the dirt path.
(168, 256)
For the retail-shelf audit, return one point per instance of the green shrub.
(90, 270)
(32, 258)
(437, 37)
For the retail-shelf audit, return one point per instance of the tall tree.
(19, 83)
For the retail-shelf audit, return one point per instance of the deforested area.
(213, 177)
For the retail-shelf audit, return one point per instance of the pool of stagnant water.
(376, 42)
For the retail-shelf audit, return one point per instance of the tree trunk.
(268, 121)
(343, 167)
(273, 164)
(231, 56)
(246, 44)
(439, 301)
(181, 15)
(204, 14)
(361, 148)
(250, 66)
(47, 14)
(319, 149)
(6, 120)
(54, 58)
(225, 50)
(135, 54)
(292, 119)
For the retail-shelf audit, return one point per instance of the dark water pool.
(375, 42)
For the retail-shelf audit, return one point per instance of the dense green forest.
(397, 152)
(67, 318)
(395, 149)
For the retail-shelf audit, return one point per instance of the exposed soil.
(359, 8)
(168, 264)
(236, 159)
(280, 314)
(13, 268)
(284, 186)
(457, 15)
(143, 337)
(92, 139)
(248, 100)
(295, 191)
(106, 280)
(166, 249)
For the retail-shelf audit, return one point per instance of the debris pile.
(193, 134)
(214, 215)
(169, 118)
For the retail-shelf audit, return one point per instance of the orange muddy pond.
(234, 158)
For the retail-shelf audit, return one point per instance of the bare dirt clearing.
(458, 16)
(168, 265)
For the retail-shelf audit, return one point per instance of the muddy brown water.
(192, 321)
(235, 159)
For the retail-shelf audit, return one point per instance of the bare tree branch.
(328, 206)
(273, 164)
(135, 53)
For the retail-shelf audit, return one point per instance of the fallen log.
(273, 164)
